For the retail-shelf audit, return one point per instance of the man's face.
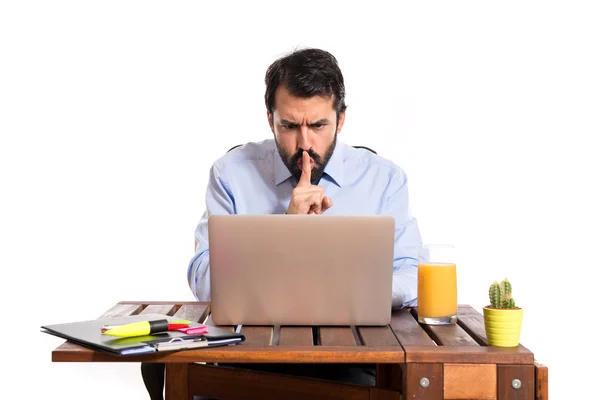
(304, 124)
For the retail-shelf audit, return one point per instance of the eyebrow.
(322, 121)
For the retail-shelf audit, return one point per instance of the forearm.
(404, 284)
(219, 200)
(199, 276)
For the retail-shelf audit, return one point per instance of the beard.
(291, 161)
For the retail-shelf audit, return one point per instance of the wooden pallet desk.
(413, 361)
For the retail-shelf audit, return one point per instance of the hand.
(306, 197)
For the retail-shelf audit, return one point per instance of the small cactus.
(506, 288)
(495, 295)
(509, 303)
(501, 295)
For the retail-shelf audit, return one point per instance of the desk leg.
(516, 382)
(177, 382)
(423, 381)
(541, 381)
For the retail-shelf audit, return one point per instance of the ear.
(270, 118)
(341, 121)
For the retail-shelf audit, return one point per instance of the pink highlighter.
(194, 330)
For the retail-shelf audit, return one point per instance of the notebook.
(88, 334)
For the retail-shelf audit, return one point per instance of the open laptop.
(301, 269)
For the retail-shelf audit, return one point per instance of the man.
(304, 169)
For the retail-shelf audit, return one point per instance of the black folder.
(88, 334)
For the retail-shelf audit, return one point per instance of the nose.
(304, 141)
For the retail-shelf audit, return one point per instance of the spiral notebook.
(88, 334)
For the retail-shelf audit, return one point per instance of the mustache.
(298, 156)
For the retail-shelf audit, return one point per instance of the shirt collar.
(334, 168)
(282, 173)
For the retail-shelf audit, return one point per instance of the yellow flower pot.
(503, 326)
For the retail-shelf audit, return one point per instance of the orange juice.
(437, 290)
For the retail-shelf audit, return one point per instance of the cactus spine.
(501, 295)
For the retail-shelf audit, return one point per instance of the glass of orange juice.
(436, 296)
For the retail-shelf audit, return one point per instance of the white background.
(112, 112)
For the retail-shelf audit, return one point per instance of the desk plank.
(450, 335)
(192, 312)
(377, 336)
(468, 354)
(447, 335)
(166, 309)
(257, 335)
(470, 381)
(245, 354)
(121, 310)
(144, 303)
(295, 336)
(472, 322)
(408, 331)
(336, 336)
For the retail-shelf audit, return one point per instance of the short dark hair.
(307, 73)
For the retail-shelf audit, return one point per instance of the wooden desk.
(413, 361)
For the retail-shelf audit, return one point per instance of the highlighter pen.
(141, 328)
(173, 325)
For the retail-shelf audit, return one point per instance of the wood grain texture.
(524, 373)
(162, 302)
(468, 354)
(257, 335)
(389, 376)
(166, 309)
(295, 336)
(177, 382)
(472, 322)
(470, 381)
(192, 312)
(450, 335)
(541, 381)
(414, 372)
(446, 335)
(216, 382)
(336, 336)
(382, 394)
(377, 336)
(121, 310)
(408, 331)
(243, 353)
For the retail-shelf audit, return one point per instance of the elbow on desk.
(199, 276)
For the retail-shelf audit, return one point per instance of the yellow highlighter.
(143, 328)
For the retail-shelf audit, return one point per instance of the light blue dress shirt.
(252, 179)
